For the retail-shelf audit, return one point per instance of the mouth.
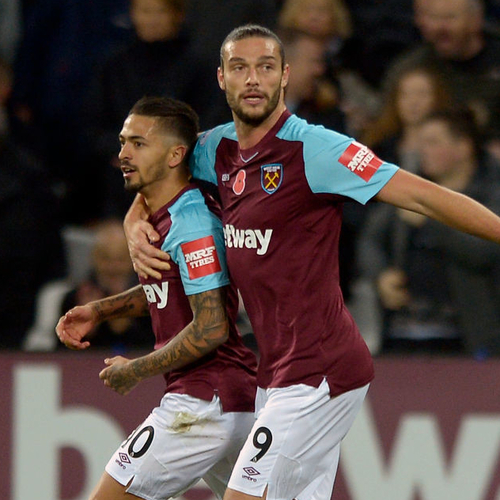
(127, 170)
(253, 98)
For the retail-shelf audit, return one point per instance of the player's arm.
(79, 321)
(208, 330)
(409, 191)
(147, 259)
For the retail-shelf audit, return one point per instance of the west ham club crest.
(271, 176)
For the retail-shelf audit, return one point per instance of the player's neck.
(250, 135)
(161, 193)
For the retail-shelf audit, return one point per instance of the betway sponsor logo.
(157, 294)
(247, 238)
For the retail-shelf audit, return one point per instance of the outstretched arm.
(79, 321)
(147, 259)
(409, 191)
(208, 330)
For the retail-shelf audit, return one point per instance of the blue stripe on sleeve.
(192, 220)
(325, 174)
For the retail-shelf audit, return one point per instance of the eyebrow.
(260, 59)
(132, 137)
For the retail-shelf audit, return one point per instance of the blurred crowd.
(418, 81)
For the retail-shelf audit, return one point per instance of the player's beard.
(254, 120)
(132, 188)
(154, 173)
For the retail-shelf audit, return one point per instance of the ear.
(286, 74)
(220, 78)
(176, 155)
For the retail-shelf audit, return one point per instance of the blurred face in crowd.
(144, 154)
(316, 17)
(306, 59)
(253, 78)
(110, 257)
(155, 20)
(415, 97)
(442, 152)
(452, 26)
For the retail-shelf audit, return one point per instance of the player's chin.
(132, 187)
(253, 116)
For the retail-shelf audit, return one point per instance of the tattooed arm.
(79, 321)
(208, 329)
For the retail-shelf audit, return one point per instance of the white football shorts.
(294, 446)
(182, 440)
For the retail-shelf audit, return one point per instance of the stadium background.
(430, 429)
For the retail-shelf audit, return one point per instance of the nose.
(252, 78)
(124, 152)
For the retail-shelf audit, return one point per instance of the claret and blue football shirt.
(282, 214)
(192, 234)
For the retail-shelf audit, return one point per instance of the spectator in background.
(415, 92)
(308, 93)
(162, 61)
(31, 249)
(330, 20)
(394, 136)
(374, 33)
(457, 43)
(63, 41)
(110, 273)
(431, 280)
(327, 20)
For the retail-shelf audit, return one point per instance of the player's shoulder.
(216, 134)
(316, 139)
(192, 200)
(298, 129)
(203, 159)
(191, 213)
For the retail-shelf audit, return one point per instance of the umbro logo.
(124, 458)
(251, 471)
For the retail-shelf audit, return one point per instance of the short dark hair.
(173, 116)
(252, 31)
(462, 123)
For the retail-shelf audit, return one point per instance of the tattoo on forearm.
(131, 303)
(205, 333)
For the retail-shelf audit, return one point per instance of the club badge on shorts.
(271, 176)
